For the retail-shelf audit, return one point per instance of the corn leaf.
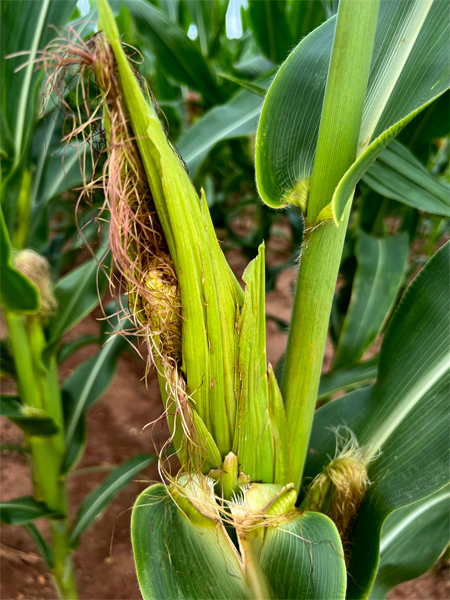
(378, 279)
(412, 540)
(33, 421)
(177, 54)
(83, 388)
(169, 549)
(270, 27)
(349, 377)
(20, 511)
(304, 17)
(409, 70)
(398, 175)
(254, 437)
(77, 294)
(235, 118)
(304, 559)
(17, 293)
(18, 106)
(404, 416)
(97, 500)
(44, 548)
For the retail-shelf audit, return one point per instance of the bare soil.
(104, 561)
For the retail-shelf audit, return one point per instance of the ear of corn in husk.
(340, 488)
(205, 337)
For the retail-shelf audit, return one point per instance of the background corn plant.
(38, 244)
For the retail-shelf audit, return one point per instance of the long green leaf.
(348, 377)
(97, 500)
(236, 118)
(33, 421)
(169, 549)
(412, 539)
(23, 510)
(379, 276)
(177, 54)
(42, 545)
(270, 27)
(86, 385)
(77, 294)
(409, 70)
(398, 175)
(19, 98)
(304, 17)
(404, 416)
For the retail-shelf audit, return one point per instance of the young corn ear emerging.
(339, 490)
(36, 268)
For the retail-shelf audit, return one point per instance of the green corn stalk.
(39, 390)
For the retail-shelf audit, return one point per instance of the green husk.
(225, 372)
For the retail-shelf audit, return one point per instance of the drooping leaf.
(304, 559)
(247, 85)
(235, 118)
(33, 421)
(17, 293)
(69, 348)
(379, 276)
(398, 175)
(176, 53)
(86, 385)
(169, 548)
(270, 27)
(45, 550)
(412, 539)
(97, 500)
(404, 416)
(409, 70)
(432, 123)
(23, 510)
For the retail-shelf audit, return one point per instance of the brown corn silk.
(142, 279)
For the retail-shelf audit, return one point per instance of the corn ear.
(209, 293)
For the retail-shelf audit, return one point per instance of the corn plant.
(271, 501)
(38, 308)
